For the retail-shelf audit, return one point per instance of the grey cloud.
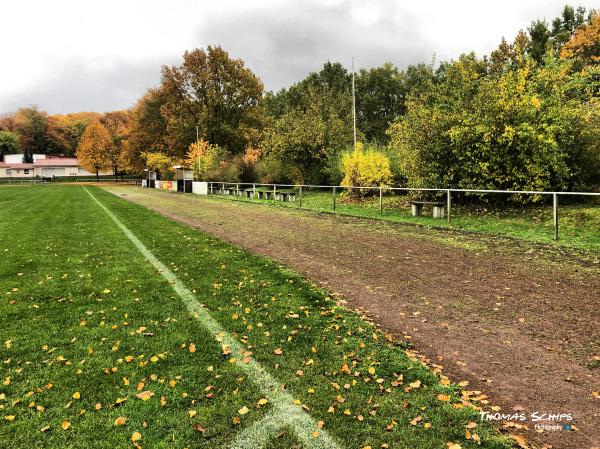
(83, 85)
(283, 45)
(280, 43)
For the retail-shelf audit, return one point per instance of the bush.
(365, 168)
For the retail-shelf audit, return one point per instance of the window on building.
(26, 172)
(8, 172)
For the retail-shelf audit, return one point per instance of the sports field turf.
(121, 328)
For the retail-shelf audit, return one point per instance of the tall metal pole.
(197, 133)
(353, 104)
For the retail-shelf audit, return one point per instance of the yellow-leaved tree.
(160, 163)
(201, 156)
(94, 144)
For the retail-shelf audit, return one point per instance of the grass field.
(579, 224)
(217, 348)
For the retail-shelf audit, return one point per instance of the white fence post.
(448, 203)
(555, 207)
(334, 198)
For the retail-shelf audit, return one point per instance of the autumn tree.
(565, 26)
(147, 131)
(9, 143)
(160, 163)
(201, 156)
(117, 124)
(310, 127)
(64, 131)
(584, 46)
(31, 124)
(527, 128)
(7, 122)
(215, 93)
(93, 147)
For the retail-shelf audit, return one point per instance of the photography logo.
(540, 421)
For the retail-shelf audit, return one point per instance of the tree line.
(526, 116)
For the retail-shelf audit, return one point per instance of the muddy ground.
(518, 321)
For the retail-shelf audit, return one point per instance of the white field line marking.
(284, 413)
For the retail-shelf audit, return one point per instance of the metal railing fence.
(258, 190)
(135, 182)
(14, 181)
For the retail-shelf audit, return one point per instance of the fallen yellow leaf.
(120, 421)
(145, 395)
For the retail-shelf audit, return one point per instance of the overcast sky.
(68, 56)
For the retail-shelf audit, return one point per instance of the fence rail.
(254, 189)
(22, 181)
(136, 182)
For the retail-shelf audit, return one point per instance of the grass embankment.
(98, 349)
(579, 224)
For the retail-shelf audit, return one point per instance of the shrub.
(365, 168)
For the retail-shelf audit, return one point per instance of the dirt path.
(494, 312)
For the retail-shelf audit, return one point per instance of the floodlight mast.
(353, 104)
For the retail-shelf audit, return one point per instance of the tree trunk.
(97, 176)
(116, 173)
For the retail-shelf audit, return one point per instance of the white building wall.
(13, 158)
(49, 172)
(200, 188)
(18, 158)
(16, 173)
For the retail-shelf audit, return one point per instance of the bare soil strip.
(518, 321)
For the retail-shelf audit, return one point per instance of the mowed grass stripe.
(337, 367)
(286, 412)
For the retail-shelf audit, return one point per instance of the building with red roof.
(42, 167)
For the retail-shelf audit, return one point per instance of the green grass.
(83, 312)
(579, 224)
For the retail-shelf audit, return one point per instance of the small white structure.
(200, 188)
(183, 177)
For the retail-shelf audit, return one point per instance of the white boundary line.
(284, 412)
